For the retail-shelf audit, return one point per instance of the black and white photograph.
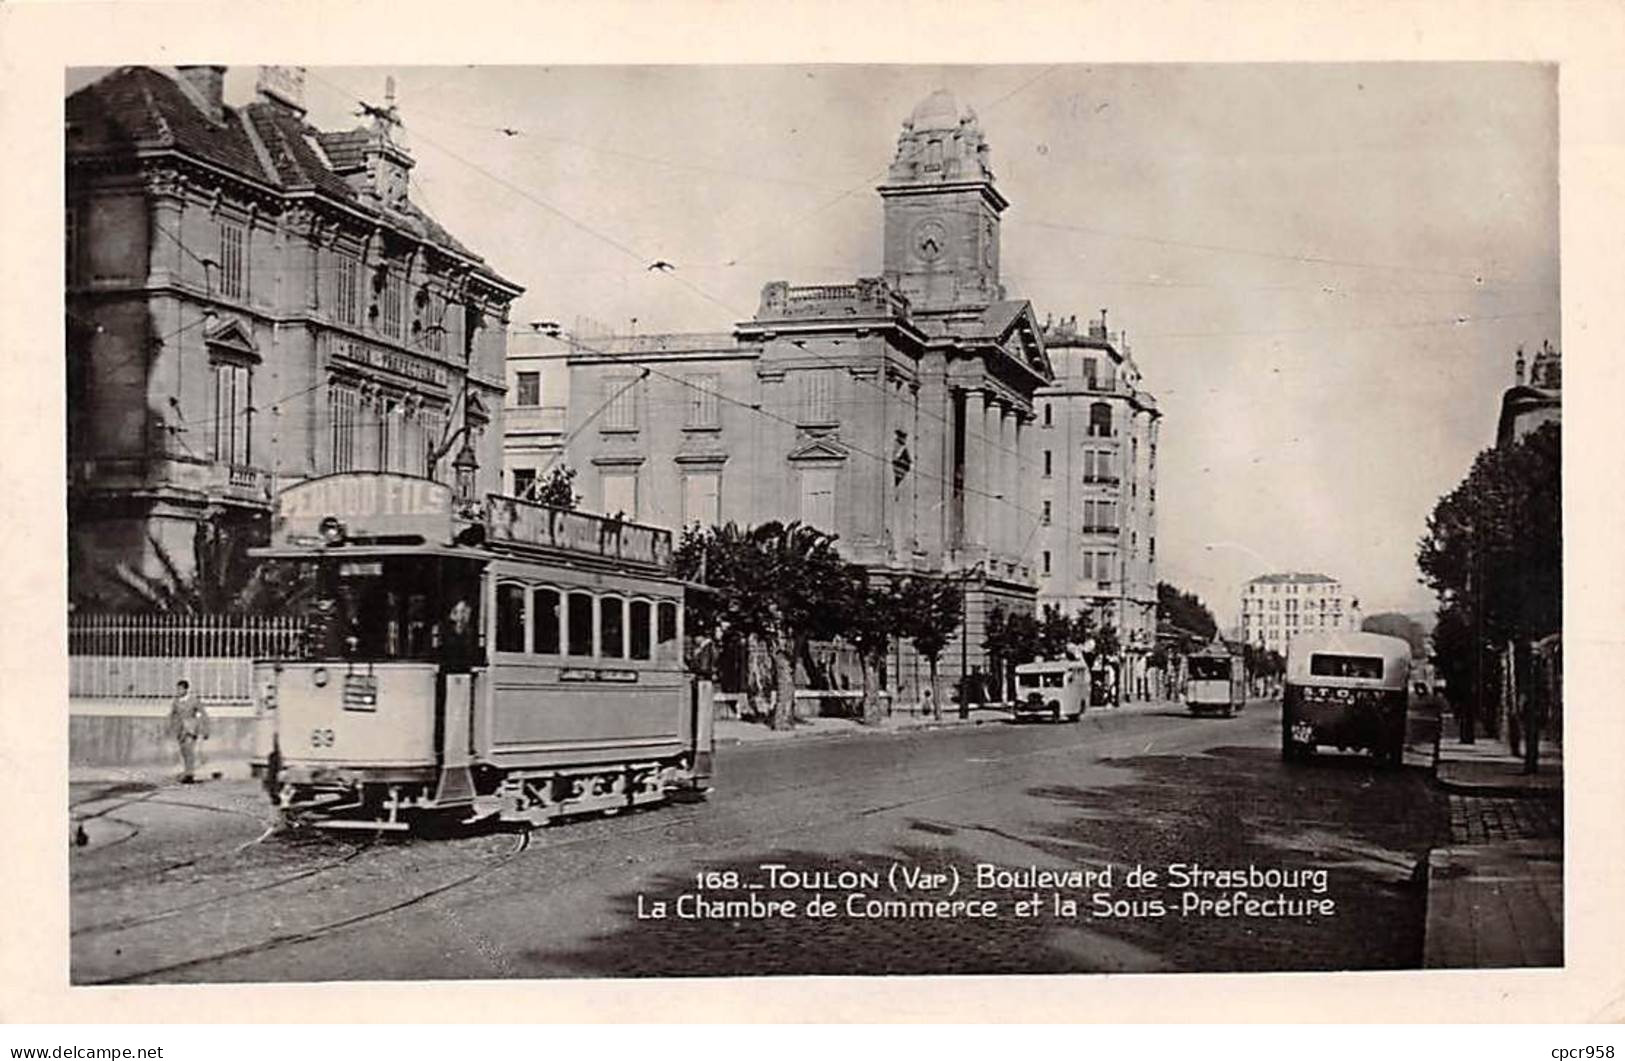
(907, 520)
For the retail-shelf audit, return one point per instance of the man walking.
(188, 723)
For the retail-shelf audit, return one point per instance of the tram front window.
(1207, 668)
(394, 608)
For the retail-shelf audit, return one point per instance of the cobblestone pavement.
(685, 890)
(1492, 819)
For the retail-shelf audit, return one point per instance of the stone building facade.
(1096, 545)
(1528, 404)
(896, 412)
(252, 301)
(1275, 608)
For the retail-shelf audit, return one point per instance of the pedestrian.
(928, 704)
(188, 723)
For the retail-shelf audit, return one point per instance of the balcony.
(1098, 528)
(1106, 480)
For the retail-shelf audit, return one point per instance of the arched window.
(510, 617)
(1100, 420)
(545, 637)
(639, 626)
(579, 625)
(612, 628)
(666, 628)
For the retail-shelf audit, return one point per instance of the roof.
(1291, 577)
(139, 108)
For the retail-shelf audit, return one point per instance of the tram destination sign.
(509, 519)
(366, 504)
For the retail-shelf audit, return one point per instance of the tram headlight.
(332, 530)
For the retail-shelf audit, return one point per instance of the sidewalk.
(1495, 895)
(733, 731)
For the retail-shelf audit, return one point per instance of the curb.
(917, 727)
(1492, 788)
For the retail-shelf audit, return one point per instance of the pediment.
(1023, 340)
(823, 448)
(231, 336)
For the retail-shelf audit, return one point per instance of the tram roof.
(353, 550)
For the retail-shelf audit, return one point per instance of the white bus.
(1053, 689)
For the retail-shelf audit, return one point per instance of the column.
(978, 488)
(1027, 475)
(1009, 485)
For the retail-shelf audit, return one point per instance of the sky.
(1323, 270)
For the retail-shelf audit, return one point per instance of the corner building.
(1097, 488)
(252, 301)
(895, 412)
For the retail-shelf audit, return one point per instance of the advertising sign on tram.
(366, 504)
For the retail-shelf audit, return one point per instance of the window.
(1049, 462)
(1097, 466)
(1045, 518)
(524, 481)
(434, 321)
(1090, 369)
(818, 396)
(579, 625)
(510, 617)
(818, 498)
(1099, 515)
(1046, 561)
(392, 299)
(638, 626)
(666, 627)
(233, 260)
(621, 403)
(346, 300)
(621, 494)
(1326, 665)
(612, 628)
(545, 637)
(702, 498)
(1100, 420)
(233, 412)
(342, 414)
(1049, 415)
(529, 388)
(702, 402)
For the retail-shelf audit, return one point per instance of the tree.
(559, 488)
(874, 613)
(1186, 612)
(1398, 624)
(932, 610)
(1493, 553)
(224, 579)
(779, 584)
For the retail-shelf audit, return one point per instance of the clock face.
(930, 239)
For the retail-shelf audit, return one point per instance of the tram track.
(995, 773)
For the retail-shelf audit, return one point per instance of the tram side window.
(546, 640)
(580, 624)
(668, 624)
(510, 618)
(639, 624)
(612, 630)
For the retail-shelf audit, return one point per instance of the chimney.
(207, 84)
(1517, 369)
(283, 86)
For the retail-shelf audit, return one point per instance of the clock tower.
(942, 211)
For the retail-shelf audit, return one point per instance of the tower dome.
(939, 110)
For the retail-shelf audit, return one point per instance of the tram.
(1215, 681)
(501, 659)
(1346, 689)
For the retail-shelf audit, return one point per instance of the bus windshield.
(1209, 667)
(382, 608)
(1327, 665)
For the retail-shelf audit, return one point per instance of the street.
(812, 857)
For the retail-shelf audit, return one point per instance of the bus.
(1345, 690)
(1053, 689)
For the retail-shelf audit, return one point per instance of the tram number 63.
(321, 738)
